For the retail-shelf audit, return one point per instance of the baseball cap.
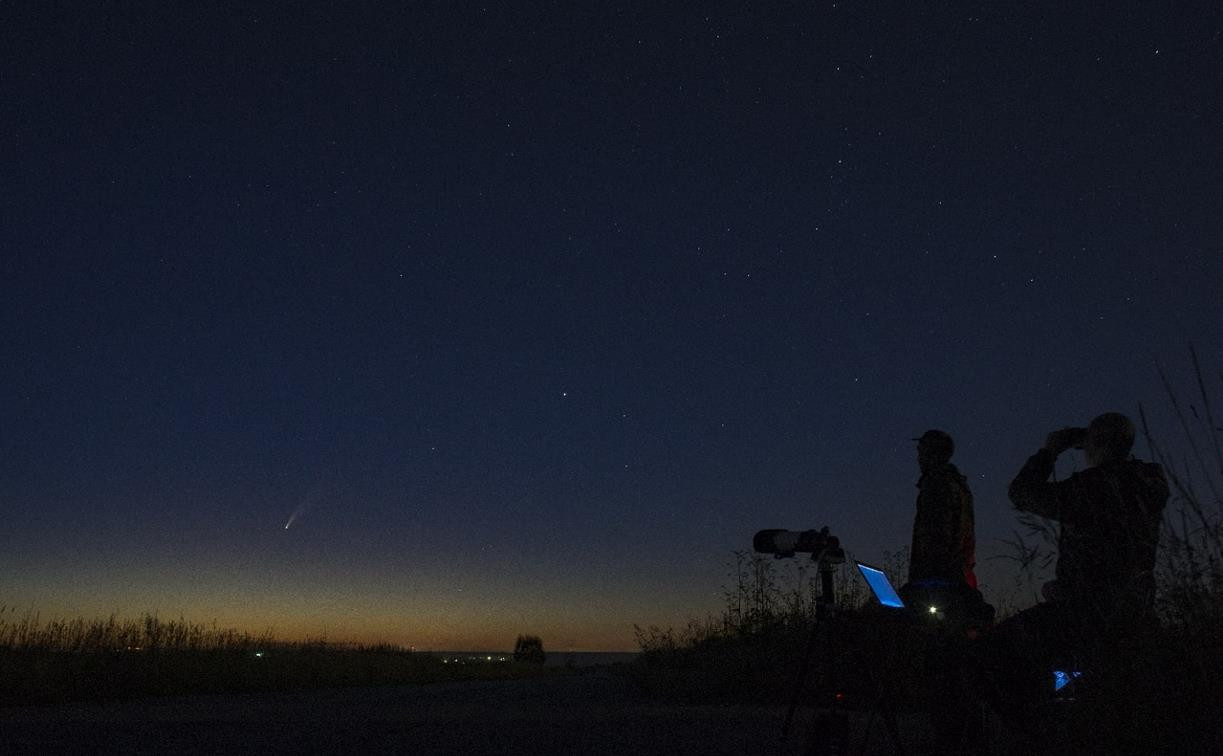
(937, 441)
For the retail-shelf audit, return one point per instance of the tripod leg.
(802, 680)
(881, 705)
(834, 732)
(889, 719)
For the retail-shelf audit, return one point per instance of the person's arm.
(1031, 490)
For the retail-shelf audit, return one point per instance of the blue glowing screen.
(1062, 678)
(880, 586)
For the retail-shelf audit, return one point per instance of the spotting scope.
(786, 543)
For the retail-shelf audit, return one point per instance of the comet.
(313, 496)
(293, 517)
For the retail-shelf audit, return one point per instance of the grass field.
(82, 660)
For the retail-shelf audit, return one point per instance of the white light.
(934, 610)
(259, 654)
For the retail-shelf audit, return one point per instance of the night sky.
(528, 315)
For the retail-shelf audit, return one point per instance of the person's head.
(1109, 439)
(934, 447)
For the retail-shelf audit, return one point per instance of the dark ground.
(594, 713)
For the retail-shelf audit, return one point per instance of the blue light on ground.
(1062, 678)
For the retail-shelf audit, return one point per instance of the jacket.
(1110, 517)
(944, 541)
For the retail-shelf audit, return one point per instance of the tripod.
(830, 730)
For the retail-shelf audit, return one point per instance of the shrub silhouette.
(530, 649)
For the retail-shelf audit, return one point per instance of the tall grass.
(1190, 575)
(752, 650)
(62, 660)
(147, 633)
(763, 592)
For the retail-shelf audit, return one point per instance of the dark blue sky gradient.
(536, 314)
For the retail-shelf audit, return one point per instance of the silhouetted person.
(943, 552)
(942, 587)
(944, 542)
(1110, 515)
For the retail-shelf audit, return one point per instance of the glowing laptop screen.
(880, 585)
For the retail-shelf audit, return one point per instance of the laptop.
(880, 585)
